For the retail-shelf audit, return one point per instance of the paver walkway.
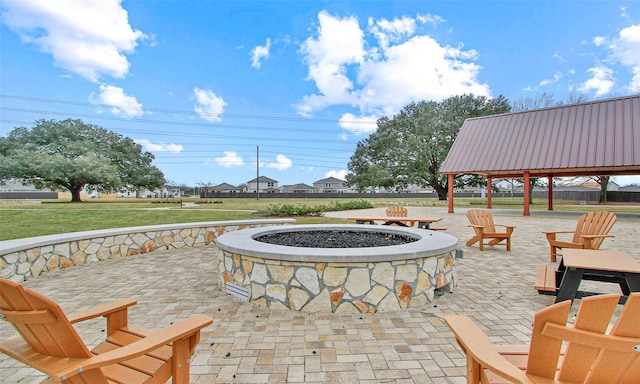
(247, 344)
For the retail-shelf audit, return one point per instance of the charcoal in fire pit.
(335, 239)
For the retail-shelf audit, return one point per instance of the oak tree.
(410, 147)
(72, 155)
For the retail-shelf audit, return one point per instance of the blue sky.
(204, 84)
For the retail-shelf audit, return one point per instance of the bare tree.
(545, 100)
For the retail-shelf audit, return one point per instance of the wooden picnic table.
(597, 265)
(423, 222)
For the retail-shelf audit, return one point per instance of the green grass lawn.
(53, 217)
(62, 217)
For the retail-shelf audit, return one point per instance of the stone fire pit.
(324, 278)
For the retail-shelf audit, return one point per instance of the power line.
(181, 112)
(188, 160)
(163, 122)
(217, 136)
(211, 163)
(282, 147)
(167, 155)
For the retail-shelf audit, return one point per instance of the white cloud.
(88, 38)
(260, 52)
(120, 104)
(208, 106)
(341, 174)
(339, 43)
(625, 49)
(381, 79)
(363, 125)
(159, 147)
(634, 86)
(623, 12)
(559, 57)
(282, 162)
(387, 31)
(428, 18)
(418, 69)
(556, 77)
(230, 159)
(627, 45)
(599, 40)
(601, 81)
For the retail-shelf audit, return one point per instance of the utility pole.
(257, 172)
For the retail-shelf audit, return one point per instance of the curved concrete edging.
(21, 259)
(429, 243)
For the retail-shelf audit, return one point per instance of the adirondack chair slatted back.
(627, 367)
(594, 223)
(579, 358)
(44, 326)
(585, 363)
(481, 217)
(544, 351)
(397, 211)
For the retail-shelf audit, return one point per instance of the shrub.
(348, 205)
(305, 210)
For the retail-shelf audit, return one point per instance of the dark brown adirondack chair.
(592, 354)
(592, 229)
(130, 354)
(482, 223)
(397, 211)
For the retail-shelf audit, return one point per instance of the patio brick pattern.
(249, 344)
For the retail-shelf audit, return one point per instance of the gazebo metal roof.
(597, 138)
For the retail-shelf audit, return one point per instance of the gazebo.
(600, 138)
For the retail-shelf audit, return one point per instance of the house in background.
(331, 185)
(590, 184)
(298, 188)
(415, 188)
(123, 192)
(163, 192)
(262, 184)
(630, 188)
(14, 185)
(506, 185)
(224, 187)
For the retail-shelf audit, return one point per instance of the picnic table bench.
(582, 264)
(423, 222)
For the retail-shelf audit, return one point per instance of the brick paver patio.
(248, 344)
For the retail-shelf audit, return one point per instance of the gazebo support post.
(488, 192)
(550, 193)
(527, 193)
(450, 191)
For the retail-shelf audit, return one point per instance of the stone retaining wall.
(22, 259)
(355, 287)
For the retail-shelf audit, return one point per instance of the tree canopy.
(72, 155)
(409, 148)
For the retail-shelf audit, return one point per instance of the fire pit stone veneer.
(340, 280)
